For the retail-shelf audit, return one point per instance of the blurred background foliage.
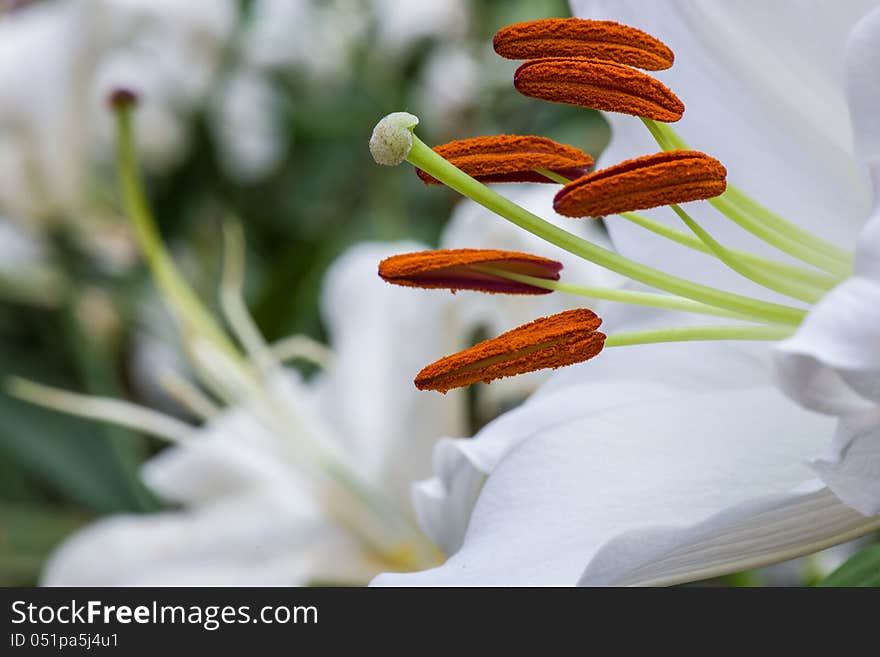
(258, 109)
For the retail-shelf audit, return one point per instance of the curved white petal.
(832, 363)
(762, 98)
(863, 85)
(257, 539)
(232, 455)
(443, 503)
(753, 534)
(383, 335)
(620, 378)
(554, 500)
(851, 468)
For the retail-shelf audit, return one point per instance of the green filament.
(552, 175)
(424, 158)
(698, 333)
(811, 277)
(789, 288)
(765, 224)
(652, 299)
(183, 302)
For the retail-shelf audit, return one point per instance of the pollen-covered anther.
(550, 342)
(469, 269)
(579, 37)
(645, 182)
(599, 85)
(511, 158)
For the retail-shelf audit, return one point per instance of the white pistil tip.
(391, 140)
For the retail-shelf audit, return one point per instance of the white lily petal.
(852, 466)
(832, 363)
(767, 531)
(863, 85)
(759, 98)
(383, 335)
(232, 455)
(620, 378)
(257, 539)
(44, 102)
(554, 500)
(443, 504)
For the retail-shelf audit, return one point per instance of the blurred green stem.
(176, 292)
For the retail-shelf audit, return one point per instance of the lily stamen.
(699, 333)
(599, 85)
(550, 342)
(420, 155)
(460, 269)
(512, 158)
(789, 288)
(669, 178)
(587, 63)
(819, 280)
(641, 183)
(578, 37)
(619, 295)
(762, 222)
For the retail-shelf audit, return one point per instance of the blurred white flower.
(448, 86)
(282, 486)
(245, 119)
(305, 36)
(169, 53)
(47, 55)
(294, 482)
(26, 271)
(403, 23)
(58, 62)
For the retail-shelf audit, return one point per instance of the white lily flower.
(57, 63)
(661, 464)
(47, 53)
(259, 485)
(317, 38)
(26, 270)
(246, 125)
(249, 515)
(402, 23)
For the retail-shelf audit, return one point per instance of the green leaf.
(28, 533)
(71, 457)
(862, 569)
(87, 463)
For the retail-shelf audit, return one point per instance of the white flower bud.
(391, 140)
